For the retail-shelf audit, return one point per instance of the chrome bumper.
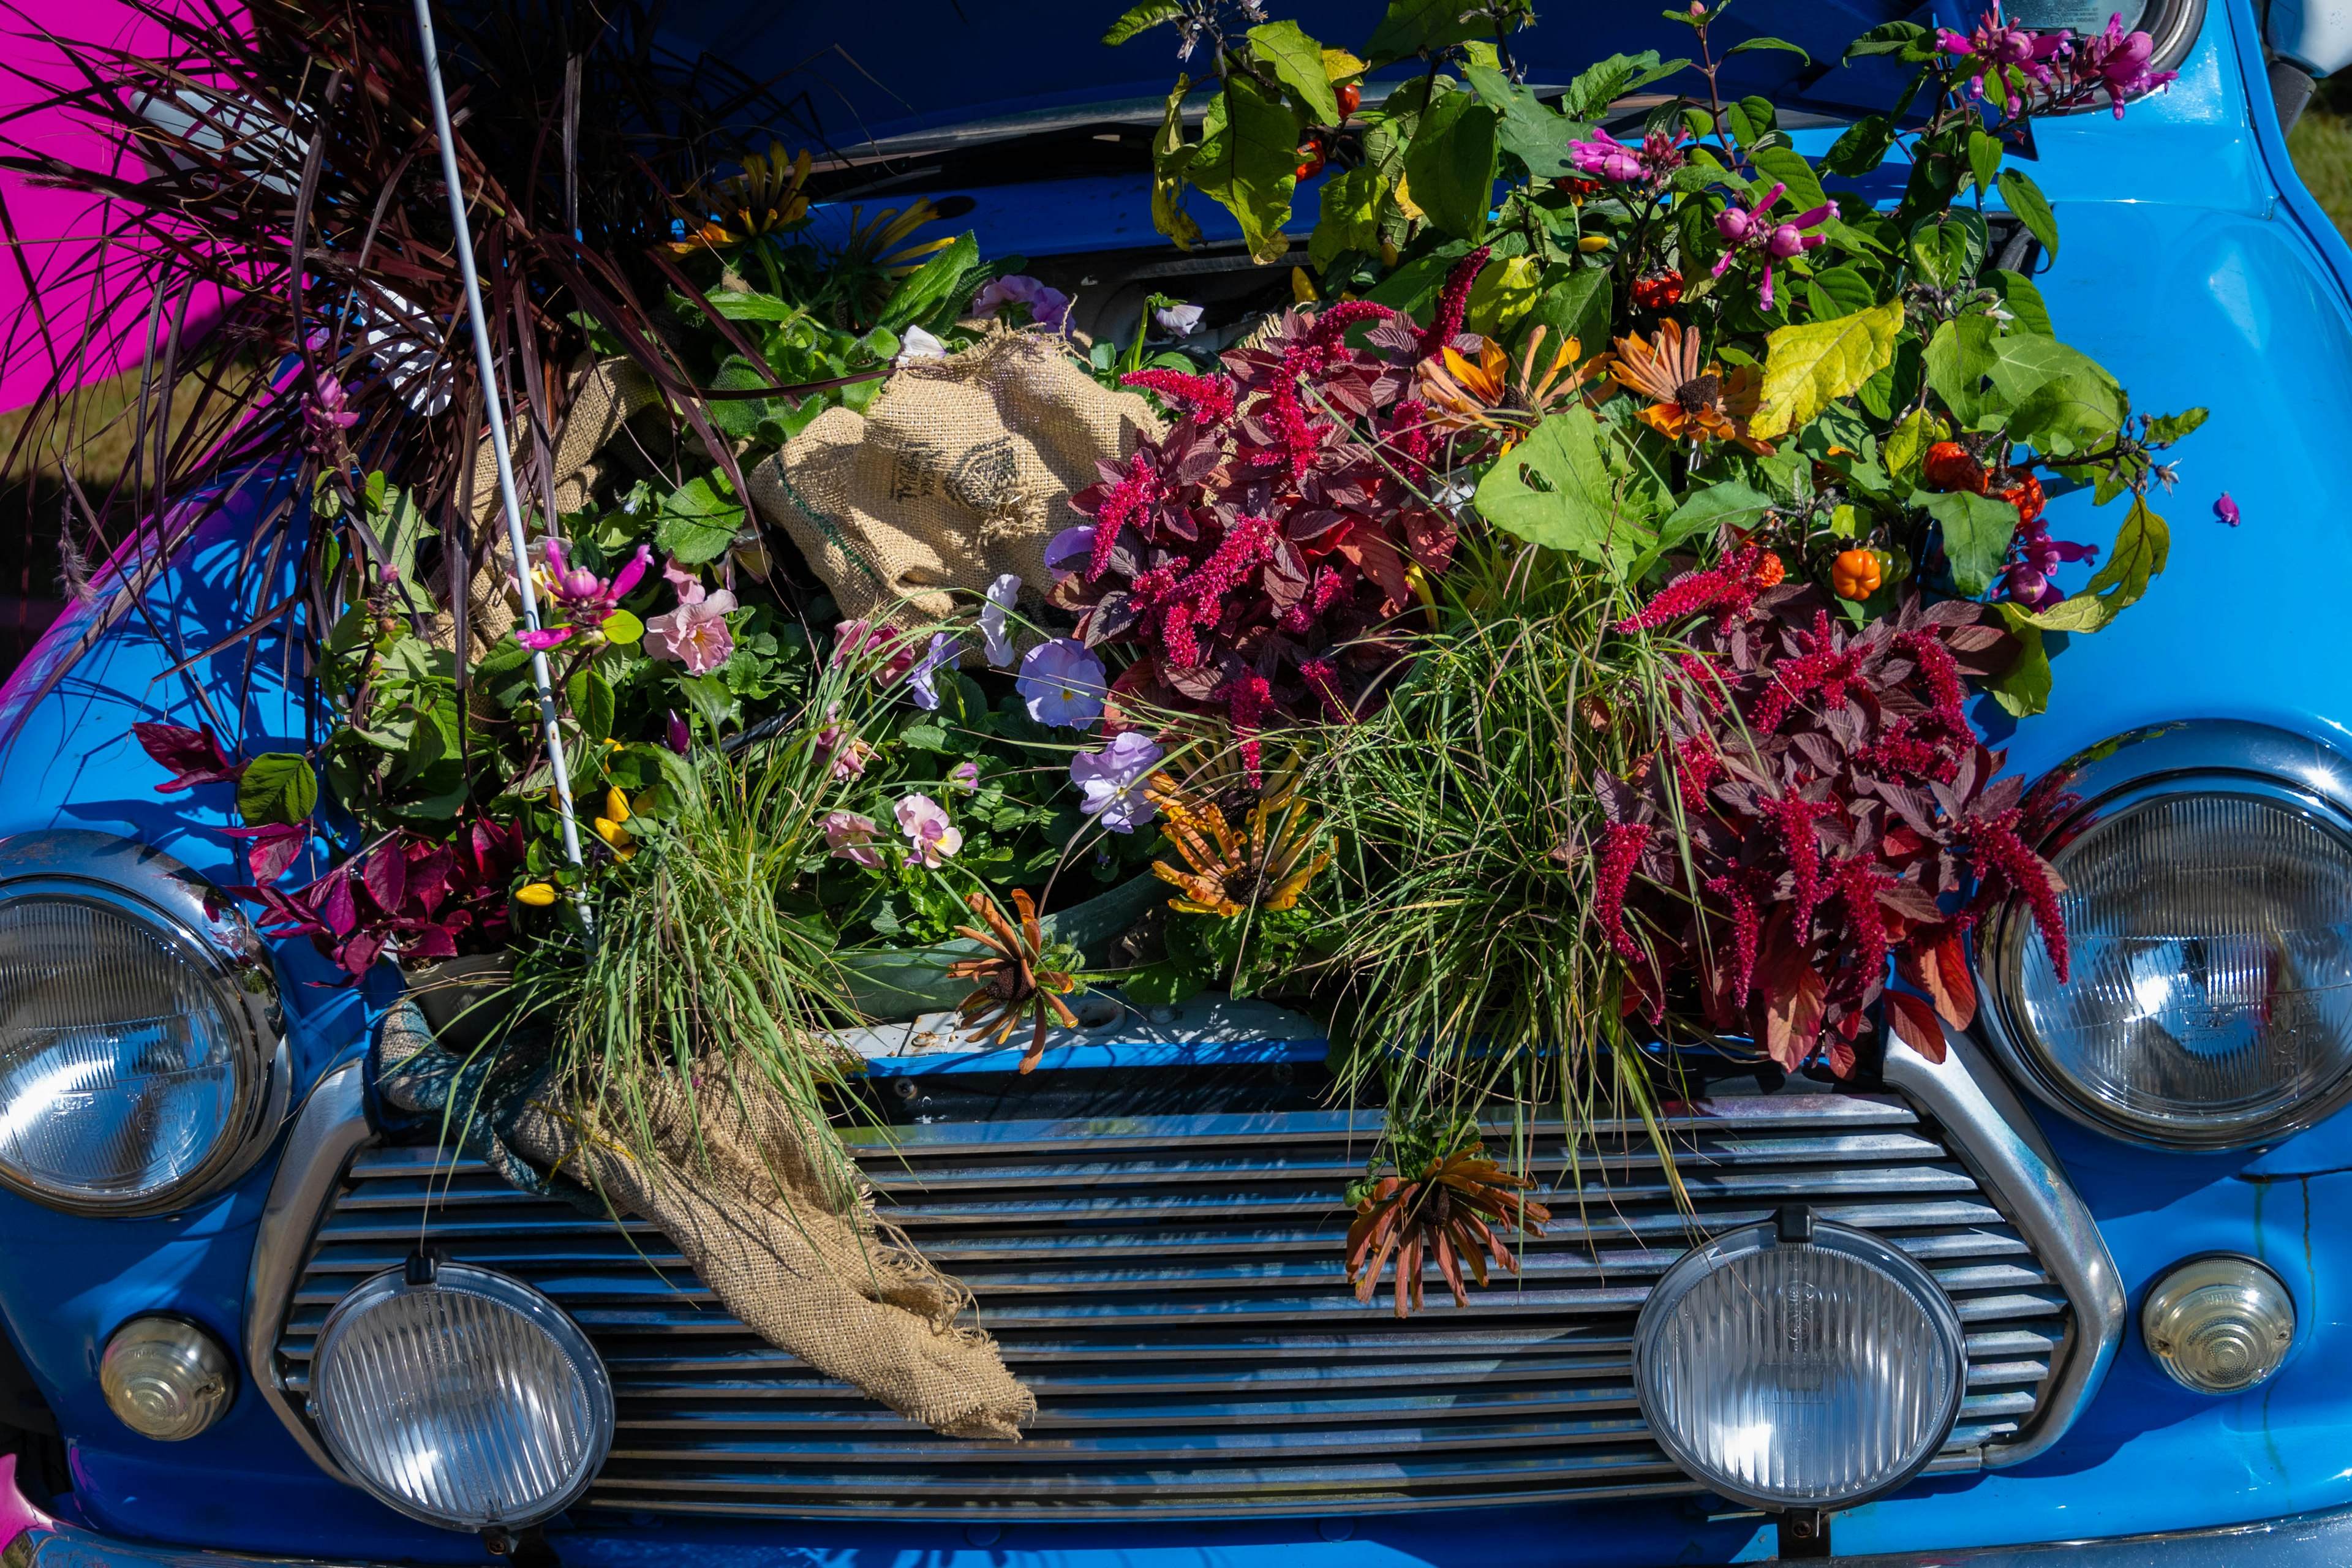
(2300, 1541)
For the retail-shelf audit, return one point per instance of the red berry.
(1658, 292)
(1349, 96)
(2026, 496)
(1948, 466)
(1312, 167)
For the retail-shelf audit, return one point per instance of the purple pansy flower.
(930, 836)
(1001, 594)
(1062, 683)
(1113, 781)
(944, 651)
(1048, 307)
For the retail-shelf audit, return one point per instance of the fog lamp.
(166, 1378)
(461, 1396)
(1798, 1365)
(2219, 1325)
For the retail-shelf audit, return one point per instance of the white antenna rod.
(540, 673)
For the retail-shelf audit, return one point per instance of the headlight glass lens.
(124, 1056)
(1799, 1374)
(466, 1402)
(2212, 986)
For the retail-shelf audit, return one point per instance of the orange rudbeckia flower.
(1689, 403)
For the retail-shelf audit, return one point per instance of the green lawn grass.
(2322, 145)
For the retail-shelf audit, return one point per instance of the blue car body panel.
(2193, 265)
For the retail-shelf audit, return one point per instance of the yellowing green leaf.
(1248, 160)
(1169, 157)
(1908, 442)
(1298, 61)
(1450, 162)
(1807, 368)
(1503, 293)
(1143, 17)
(2023, 689)
(1339, 65)
(1351, 219)
(2143, 545)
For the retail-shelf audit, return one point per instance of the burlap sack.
(960, 471)
(602, 397)
(810, 1275)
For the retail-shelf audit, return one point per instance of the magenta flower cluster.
(2066, 71)
(1753, 230)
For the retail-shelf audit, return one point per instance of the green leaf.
(1141, 18)
(1948, 248)
(2143, 546)
(925, 737)
(1908, 39)
(2069, 415)
(590, 696)
(1537, 136)
(1908, 442)
(2022, 299)
(737, 306)
(1960, 356)
(1450, 164)
(1576, 307)
(1170, 156)
(1728, 504)
(1411, 287)
(2023, 689)
(1602, 84)
(1806, 368)
(278, 787)
(1570, 487)
(1350, 220)
(1846, 290)
(697, 523)
(1977, 532)
(1787, 167)
(2166, 428)
(709, 698)
(1249, 163)
(1298, 62)
(1413, 25)
(622, 629)
(1862, 148)
(1163, 984)
(1745, 45)
(1984, 158)
(2033, 208)
(929, 285)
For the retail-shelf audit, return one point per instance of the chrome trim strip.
(185, 911)
(1993, 1134)
(332, 1127)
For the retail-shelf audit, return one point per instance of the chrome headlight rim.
(2189, 757)
(204, 925)
(1720, 1251)
(507, 1291)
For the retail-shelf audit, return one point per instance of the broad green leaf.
(1862, 148)
(1413, 25)
(1806, 368)
(1845, 289)
(1576, 308)
(278, 787)
(1977, 532)
(2069, 415)
(1568, 487)
(1729, 504)
(1170, 156)
(1411, 287)
(929, 285)
(590, 696)
(1960, 356)
(2032, 207)
(1908, 442)
(1787, 167)
(1504, 291)
(1143, 17)
(622, 629)
(697, 523)
(2166, 428)
(2022, 299)
(1249, 163)
(737, 306)
(1908, 39)
(1450, 164)
(1745, 45)
(1351, 219)
(1535, 134)
(2023, 689)
(1298, 63)
(1602, 84)
(1984, 158)
(738, 417)
(1948, 248)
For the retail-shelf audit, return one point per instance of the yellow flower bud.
(538, 895)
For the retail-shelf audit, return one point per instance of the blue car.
(2140, 1251)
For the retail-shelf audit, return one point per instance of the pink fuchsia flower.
(2117, 61)
(574, 601)
(1062, 683)
(1752, 229)
(921, 679)
(1646, 163)
(964, 776)
(852, 838)
(1048, 307)
(1113, 781)
(930, 836)
(1001, 594)
(2226, 510)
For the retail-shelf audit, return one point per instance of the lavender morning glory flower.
(1062, 682)
(944, 651)
(1114, 779)
(1000, 593)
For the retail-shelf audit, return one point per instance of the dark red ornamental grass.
(1253, 555)
(1840, 812)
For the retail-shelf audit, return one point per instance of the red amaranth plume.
(1127, 501)
(1210, 397)
(1247, 697)
(1857, 882)
(1728, 588)
(1696, 766)
(1737, 890)
(1333, 321)
(1322, 679)
(1794, 816)
(1823, 668)
(1451, 302)
(1942, 673)
(2000, 853)
(1620, 850)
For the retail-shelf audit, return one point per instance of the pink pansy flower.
(930, 837)
(852, 838)
(695, 634)
(1048, 306)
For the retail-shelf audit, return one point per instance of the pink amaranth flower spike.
(1621, 851)
(1209, 398)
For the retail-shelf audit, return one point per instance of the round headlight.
(142, 1060)
(467, 1400)
(1799, 1373)
(2210, 1002)
(2219, 1325)
(166, 1378)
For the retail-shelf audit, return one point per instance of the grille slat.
(1171, 1288)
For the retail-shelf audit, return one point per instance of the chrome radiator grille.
(1172, 1289)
